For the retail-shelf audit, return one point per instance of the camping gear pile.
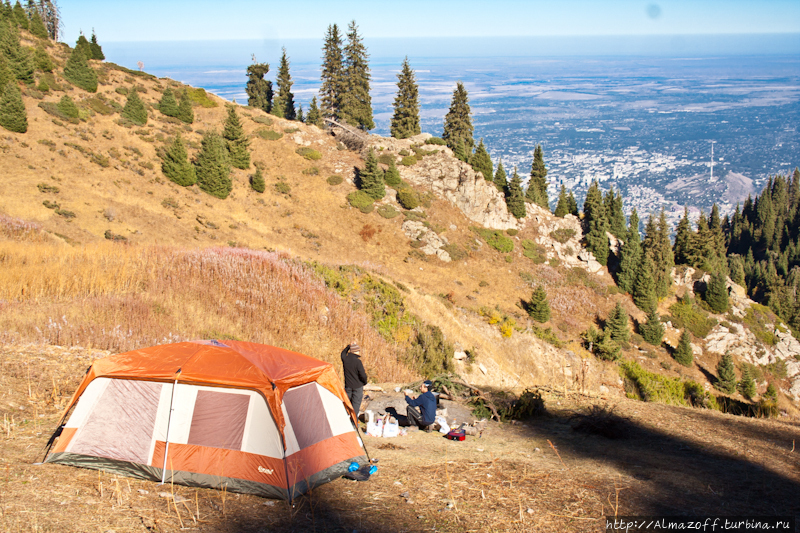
(246, 417)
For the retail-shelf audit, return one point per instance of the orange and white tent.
(247, 417)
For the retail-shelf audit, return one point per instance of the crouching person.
(421, 411)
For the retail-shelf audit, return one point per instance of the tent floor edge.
(325, 476)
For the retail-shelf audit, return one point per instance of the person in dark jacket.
(355, 377)
(425, 416)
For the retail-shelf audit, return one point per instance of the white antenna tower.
(711, 179)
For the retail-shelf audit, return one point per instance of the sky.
(184, 20)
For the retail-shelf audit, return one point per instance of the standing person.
(426, 414)
(355, 377)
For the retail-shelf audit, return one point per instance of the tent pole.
(169, 424)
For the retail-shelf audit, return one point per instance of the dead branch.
(479, 393)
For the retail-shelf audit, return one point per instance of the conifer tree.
(539, 307)
(313, 116)
(562, 206)
(458, 120)
(6, 75)
(500, 180)
(392, 175)
(78, 72)
(51, 16)
(617, 324)
(168, 105)
(716, 295)
(747, 386)
(515, 200)
(67, 106)
(572, 204)
(20, 16)
(683, 353)
(726, 375)
(13, 116)
(595, 225)
(84, 46)
(333, 83)
(95, 48)
(683, 239)
(370, 179)
(213, 167)
(630, 256)
(537, 186)
(658, 248)
(176, 165)
(405, 121)
(283, 105)
(300, 116)
(37, 28)
(19, 59)
(615, 215)
(259, 90)
(460, 152)
(356, 102)
(257, 181)
(236, 141)
(644, 289)
(134, 109)
(482, 162)
(652, 331)
(185, 111)
(42, 60)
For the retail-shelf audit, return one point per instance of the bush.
(388, 211)
(652, 387)
(533, 251)
(200, 97)
(309, 153)
(685, 315)
(99, 107)
(67, 106)
(361, 201)
(386, 159)
(283, 188)
(263, 120)
(269, 135)
(407, 198)
(335, 179)
(311, 171)
(408, 161)
(430, 353)
(511, 232)
(257, 181)
(562, 235)
(438, 141)
(495, 239)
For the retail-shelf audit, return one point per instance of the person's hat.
(355, 348)
(428, 384)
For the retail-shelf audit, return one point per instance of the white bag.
(442, 421)
(373, 429)
(391, 429)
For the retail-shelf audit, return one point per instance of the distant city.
(644, 125)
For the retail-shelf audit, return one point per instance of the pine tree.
(617, 324)
(460, 152)
(213, 167)
(20, 16)
(6, 75)
(562, 206)
(726, 375)
(185, 111)
(572, 204)
(42, 60)
(356, 102)
(12, 110)
(683, 353)
(747, 386)
(515, 200)
(392, 175)
(257, 181)
(168, 105)
(259, 90)
(595, 224)
(134, 109)
(84, 46)
(458, 120)
(716, 295)
(644, 288)
(176, 165)
(537, 186)
(67, 106)
(614, 214)
(300, 117)
(37, 28)
(96, 49)
(658, 248)
(405, 121)
(630, 256)
(313, 116)
(19, 59)
(236, 141)
(683, 238)
(482, 162)
(283, 105)
(51, 16)
(79, 73)
(370, 179)
(332, 76)
(500, 178)
(652, 331)
(539, 307)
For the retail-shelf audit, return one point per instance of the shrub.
(283, 188)
(686, 315)
(199, 97)
(335, 179)
(311, 171)
(269, 135)
(47, 188)
(533, 251)
(257, 181)
(438, 141)
(430, 353)
(562, 235)
(263, 120)
(388, 211)
(407, 198)
(99, 107)
(456, 252)
(601, 344)
(652, 387)
(495, 239)
(511, 232)
(67, 106)
(408, 161)
(386, 159)
(361, 201)
(309, 153)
